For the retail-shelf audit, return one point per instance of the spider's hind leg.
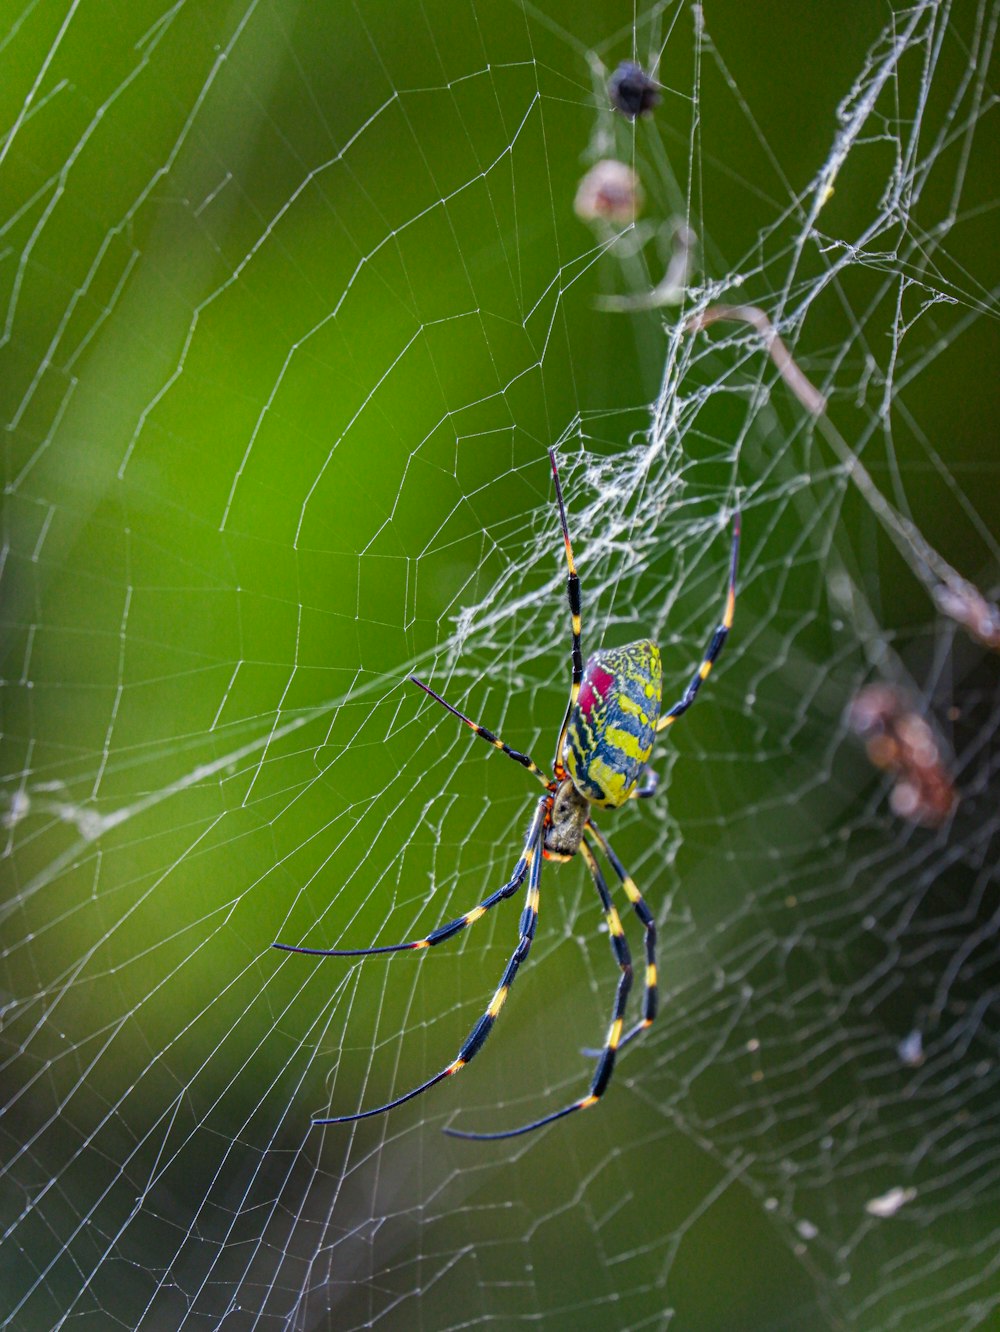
(525, 760)
(716, 643)
(649, 784)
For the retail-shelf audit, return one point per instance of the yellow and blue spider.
(604, 745)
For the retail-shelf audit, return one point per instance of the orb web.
(294, 303)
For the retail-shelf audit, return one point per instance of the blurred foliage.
(295, 302)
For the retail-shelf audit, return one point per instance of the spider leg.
(477, 1036)
(716, 642)
(453, 927)
(639, 906)
(524, 759)
(573, 595)
(606, 1063)
(649, 784)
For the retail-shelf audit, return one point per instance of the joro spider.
(605, 742)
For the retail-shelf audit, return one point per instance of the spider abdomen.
(613, 724)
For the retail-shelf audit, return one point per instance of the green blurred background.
(295, 303)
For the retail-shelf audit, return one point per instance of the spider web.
(294, 303)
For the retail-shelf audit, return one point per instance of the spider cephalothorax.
(605, 741)
(566, 822)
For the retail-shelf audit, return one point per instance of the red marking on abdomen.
(596, 684)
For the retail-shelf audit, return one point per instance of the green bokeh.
(289, 332)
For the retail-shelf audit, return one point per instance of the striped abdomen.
(613, 725)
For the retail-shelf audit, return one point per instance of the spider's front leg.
(477, 1036)
(606, 1063)
(640, 907)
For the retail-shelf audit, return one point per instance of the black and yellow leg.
(477, 1036)
(576, 623)
(606, 1063)
(641, 909)
(525, 760)
(716, 643)
(649, 784)
(453, 927)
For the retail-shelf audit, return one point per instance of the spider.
(605, 742)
